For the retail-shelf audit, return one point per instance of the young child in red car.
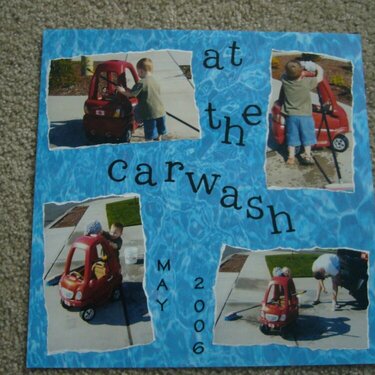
(113, 236)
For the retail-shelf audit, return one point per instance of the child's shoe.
(290, 161)
(307, 159)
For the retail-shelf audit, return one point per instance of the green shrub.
(61, 74)
(126, 212)
(300, 264)
(338, 80)
(310, 57)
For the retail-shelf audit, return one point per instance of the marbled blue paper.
(190, 228)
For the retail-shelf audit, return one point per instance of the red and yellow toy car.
(110, 116)
(91, 277)
(279, 305)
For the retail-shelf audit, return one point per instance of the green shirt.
(147, 91)
(295, 95)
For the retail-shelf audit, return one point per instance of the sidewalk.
(176, 90)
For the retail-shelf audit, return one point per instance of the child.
(286, 271)
(297, 108)
(150, 107)
(114, 236)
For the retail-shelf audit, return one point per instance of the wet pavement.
(317, 327)
(281, 175)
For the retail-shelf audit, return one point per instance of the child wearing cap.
(297, 108)
(150, 108)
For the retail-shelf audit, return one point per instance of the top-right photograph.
(310, 138)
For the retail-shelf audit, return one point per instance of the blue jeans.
(154, 127)
(300, 131)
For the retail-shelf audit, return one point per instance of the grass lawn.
(300, 264)
(126, 212)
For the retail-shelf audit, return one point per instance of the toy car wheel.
(264, 329)
(340, 143)
(116, 294)
(92, 138)
(87, 314)
(63, 304)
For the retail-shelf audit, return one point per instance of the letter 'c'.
(123, 166)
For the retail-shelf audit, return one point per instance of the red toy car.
(90, 280)
(108, 115)
(279, 305)
(336, 117)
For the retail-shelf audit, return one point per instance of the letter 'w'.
(203, 179)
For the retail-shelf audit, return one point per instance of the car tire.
(87, 314)
(340, 143)
(264, 329)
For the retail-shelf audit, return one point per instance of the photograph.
(307, 298)
(94, 274)
(310, 136)
(121, 98)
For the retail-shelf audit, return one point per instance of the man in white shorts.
(327, 265)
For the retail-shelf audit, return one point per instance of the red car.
(91, 277)
(109, 115)
(337, 120)
(279, 305)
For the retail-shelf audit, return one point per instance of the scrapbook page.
(202, 199)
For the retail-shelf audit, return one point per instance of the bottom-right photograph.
(311, 298)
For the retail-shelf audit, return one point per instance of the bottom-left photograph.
(93, 275)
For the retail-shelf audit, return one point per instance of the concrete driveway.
(318, 327)
(117, 324)
(65, 113)
(279, 174)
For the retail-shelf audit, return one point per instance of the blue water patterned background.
(190, 228)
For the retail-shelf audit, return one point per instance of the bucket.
(131, 255)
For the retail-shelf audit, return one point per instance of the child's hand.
(309, 66)
(121, 90)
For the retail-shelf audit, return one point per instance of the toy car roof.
(87, 241)
(114, 65)
(284, 281)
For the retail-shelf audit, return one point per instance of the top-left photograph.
(122, 98)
